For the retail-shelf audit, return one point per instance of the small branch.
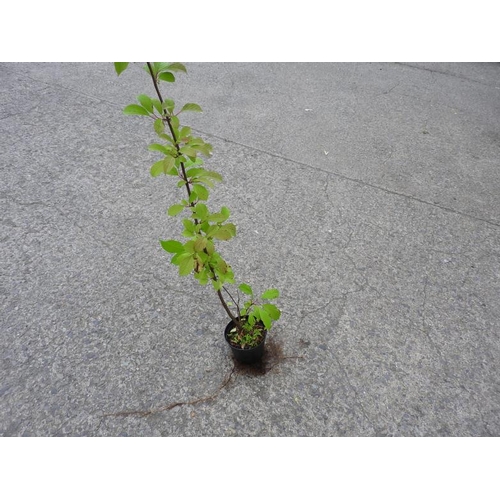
(235, 320)
(155, 82)
(237, 304)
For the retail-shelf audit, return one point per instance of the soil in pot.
(246, 355)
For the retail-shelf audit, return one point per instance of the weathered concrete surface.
(368, 193)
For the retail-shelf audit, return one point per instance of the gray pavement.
(369, 194)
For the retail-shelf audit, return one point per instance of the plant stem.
(236, 303)
(235, 320)
(169, 123)
(167, 118)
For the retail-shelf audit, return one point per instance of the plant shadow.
(273, 355)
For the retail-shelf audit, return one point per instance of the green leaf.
(231, 228)
(205, 149)
(167, 77)
(158, 147)
(174, 120)
(186, 265)
(159, 66)
(185, 131)
(188, 151)
(222, 266)
(213, 175)
(201, 211)
(178, 257)
(200, 244)
(172, 246)
(194, 172)
(272, 293)
(253, 317)
(201, 192)
(211, 230)
(273, 311)
(159, 126)
(169, 105)
(135, 109)
(265, 318)
(165, 166)
(175, 209)
(202, 277)
(196, 161)
(157, 105)
(189, 247)
(145, 102)
(173, 171)
(168, 164)
(169, 139)
(246, 289)
(120, 67)
(203, 180)
(222, 234)
(176, 66)
(192, 197)
(210, 247)
(217, 217)
(191, 106)
(157, 169)
(189, 226)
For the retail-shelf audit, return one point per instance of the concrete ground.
(369, 194)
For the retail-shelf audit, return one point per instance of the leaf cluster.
(255, 312)
(198, 253)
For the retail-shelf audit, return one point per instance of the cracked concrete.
(386, 252)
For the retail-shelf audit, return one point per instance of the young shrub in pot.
(197, 255)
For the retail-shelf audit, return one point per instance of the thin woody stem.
(236, 303)
(169, 123)
(235, 320)
(168, 120)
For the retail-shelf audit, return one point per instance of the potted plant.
(181, 159)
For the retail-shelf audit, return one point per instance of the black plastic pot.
(246, 356)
